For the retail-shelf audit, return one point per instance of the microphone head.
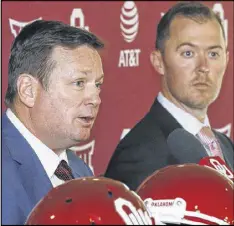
(185, 147)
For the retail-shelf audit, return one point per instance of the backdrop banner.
(131, 84)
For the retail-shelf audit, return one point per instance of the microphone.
(187, 149)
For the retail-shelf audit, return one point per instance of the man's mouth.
(201, 85)
(86, 121)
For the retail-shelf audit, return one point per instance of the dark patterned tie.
(63, 171)
(210, 142)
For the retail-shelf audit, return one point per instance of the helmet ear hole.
(110, 194)
(92, 222)
(68, 200)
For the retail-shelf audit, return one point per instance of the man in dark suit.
(191, 56)
(55, 75)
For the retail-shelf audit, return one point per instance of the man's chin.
(84, 136)
(198, 105)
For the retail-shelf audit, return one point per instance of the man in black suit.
(191, 56)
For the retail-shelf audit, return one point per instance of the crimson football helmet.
(90, 200)
(188, 194)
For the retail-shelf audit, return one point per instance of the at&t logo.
(129, 24)
(129, 21)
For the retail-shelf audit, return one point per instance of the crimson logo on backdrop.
(218, 9)
(124, 133)
(77, 14)
(226, 129)
(16, 26)
(85, 152)
(129, 25)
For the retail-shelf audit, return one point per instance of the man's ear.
(27, 87)
(227, 57)
(157, 61)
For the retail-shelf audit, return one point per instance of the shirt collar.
(47, 157)
(187, 121)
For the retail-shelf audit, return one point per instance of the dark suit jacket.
(144, 149)
(24, 180)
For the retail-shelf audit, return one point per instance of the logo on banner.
(226, 129)
(85, 152)
(129, 21)
(77, 14)
(124, 133)
(16, 26)
(218, 9)
(129, 24)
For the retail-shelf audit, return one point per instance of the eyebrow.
(192, 45)
(89, 71)
(101, 77)
(85, 72)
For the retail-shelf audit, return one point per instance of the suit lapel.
(32, 174)
(228, 156)
(163, 118)
(74, 164)
(227, 149)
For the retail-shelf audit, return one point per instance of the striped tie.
(211, 144)
(63, 171)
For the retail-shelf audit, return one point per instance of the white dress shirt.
(186, 120)
(47, 157)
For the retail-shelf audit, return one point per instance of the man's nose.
(93, 97)
(203, 64)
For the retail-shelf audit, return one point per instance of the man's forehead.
(186, 29)
(182, 22)
(79, 51)
(80, 55)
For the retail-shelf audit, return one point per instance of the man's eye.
(98, 85)
(187, 54)
(213, 54)
(79, 83)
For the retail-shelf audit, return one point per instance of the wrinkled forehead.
(83, 56)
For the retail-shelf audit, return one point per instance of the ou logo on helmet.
(136, 217)
(221, 168)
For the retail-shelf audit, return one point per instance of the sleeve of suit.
(11, 212)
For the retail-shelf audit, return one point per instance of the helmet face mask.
(91, 200)
(188, 194)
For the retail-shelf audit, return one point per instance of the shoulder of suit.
(142, 132)
(224, 138)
